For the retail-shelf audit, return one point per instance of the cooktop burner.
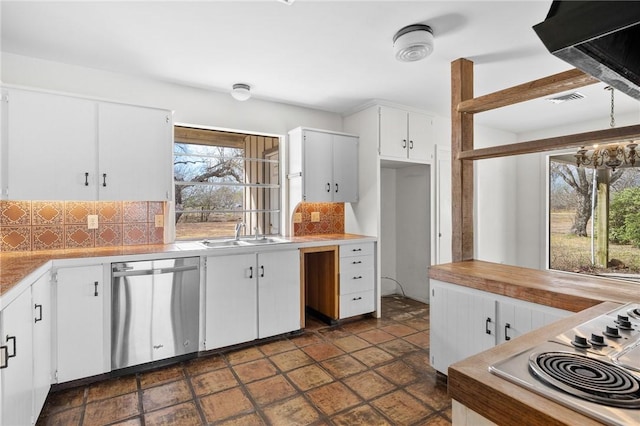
(587, 378)
(634, 313)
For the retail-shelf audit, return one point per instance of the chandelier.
(608, 156)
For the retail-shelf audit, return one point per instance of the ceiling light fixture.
(413, 43)
(241, 91)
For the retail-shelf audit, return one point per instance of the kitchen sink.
(242, 242)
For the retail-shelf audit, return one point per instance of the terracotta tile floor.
(364, 372)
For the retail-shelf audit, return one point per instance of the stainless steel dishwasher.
(155, 310)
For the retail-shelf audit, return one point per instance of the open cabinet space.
(405, 219)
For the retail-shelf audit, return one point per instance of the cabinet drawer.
(354, 263)
(356, 304)
(347, 250)
(355, 281)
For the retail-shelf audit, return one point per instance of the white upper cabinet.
(323, 166)
(59, 147)
(51, 147)
(135, 153)
(406, 135)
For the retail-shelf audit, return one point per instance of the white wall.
(190, 105)
(387, 246)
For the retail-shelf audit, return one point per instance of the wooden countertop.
(15, 266)
(572, 292)
(505, 403)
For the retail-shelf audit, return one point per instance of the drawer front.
(363, 249)
(356, 304)
(356, 280)
(348, 264)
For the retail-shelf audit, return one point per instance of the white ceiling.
(330, 55)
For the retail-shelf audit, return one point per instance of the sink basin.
(223, 243)
(242, 243)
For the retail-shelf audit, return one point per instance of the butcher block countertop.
(15, 266)
(504, 403)
(562, 290)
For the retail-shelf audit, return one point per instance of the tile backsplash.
(331, 219)
(48, 225)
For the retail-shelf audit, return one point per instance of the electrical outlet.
(315, 216)
(297, 217)
(159, 219)
(92, 221)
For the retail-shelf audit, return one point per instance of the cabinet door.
(231, 300)
(278, 292)
(17, 376)
(463, 323)
(393, 132)
(51, 145)
(41, 320)
(135, 153)
(421, 144)
(345, 168)
(517, 317)
(318, 168)
(80, 322)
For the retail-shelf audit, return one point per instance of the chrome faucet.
(256, 232)
(239, 226)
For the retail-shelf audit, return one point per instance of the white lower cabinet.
(25, 363)
(357, 279)
(250, 296)
(279, 306)
(466, 321)
(17, 362)
(79, 345)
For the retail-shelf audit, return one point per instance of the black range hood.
(601, 38)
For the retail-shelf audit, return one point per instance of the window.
(585, 236)
(225, 178)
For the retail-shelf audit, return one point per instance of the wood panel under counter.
(319, 272)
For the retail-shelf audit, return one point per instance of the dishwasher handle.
(126, 272)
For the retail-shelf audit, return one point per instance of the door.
(16, 359)
(345, 168)
(420, 137)
(80, 326)
(393, 132)
(278, 292)
(318, 168)
(135, 153)
(42, 320)
(231, 300)
(51, 145)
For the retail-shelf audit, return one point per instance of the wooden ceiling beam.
(616, 134)
(561, 82)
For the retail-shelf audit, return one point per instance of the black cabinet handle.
(86, 178)
(104, 179)
(404, 143)
(261, 270)
(357, 262)
(506, 331)
(410, 144)
(95, 288)
(13, 339)
(486, 325)
(357, 298)
(358, 249)
(6, 357)
(359, 277)
(39, 308)
(328, 187)
(336, 187)
(250, 271)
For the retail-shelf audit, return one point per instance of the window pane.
(218, 185)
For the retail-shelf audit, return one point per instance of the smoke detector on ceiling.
(413, 43)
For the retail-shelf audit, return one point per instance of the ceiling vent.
(574, 96)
